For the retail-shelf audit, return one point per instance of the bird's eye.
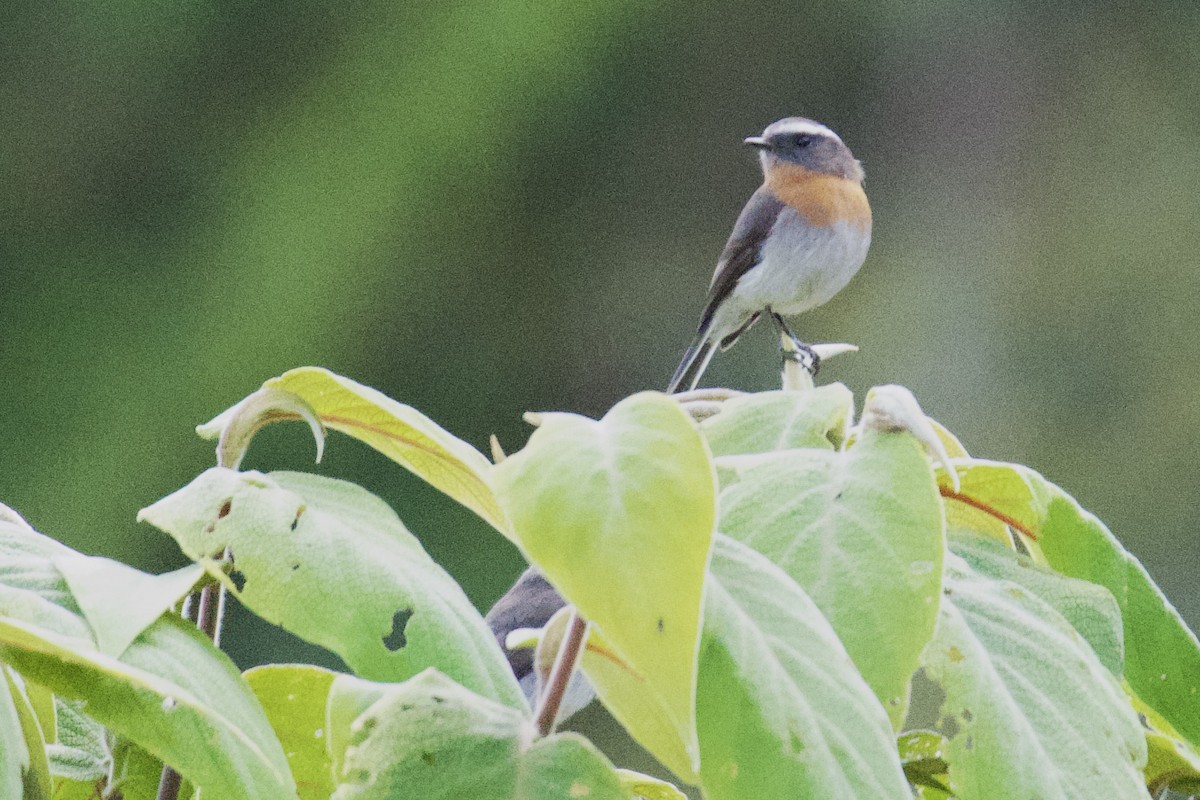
(803, 140)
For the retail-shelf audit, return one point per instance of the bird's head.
(809, 144)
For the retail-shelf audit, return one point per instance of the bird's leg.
(799, 353)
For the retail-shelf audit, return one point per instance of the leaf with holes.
(618, 514)
(768, 421)
(430, 738)
(1162, 656)
(400, 432)
(861, 532)
(1029, 709)
(333, 564)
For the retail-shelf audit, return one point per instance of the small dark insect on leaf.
(660, 625)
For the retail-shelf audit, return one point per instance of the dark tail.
(695, 360)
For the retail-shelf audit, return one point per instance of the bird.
(530, 603)
(800, 239)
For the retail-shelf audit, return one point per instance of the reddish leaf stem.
(1011, 522)
(560, 674)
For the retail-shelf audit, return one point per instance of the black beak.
(757, 141)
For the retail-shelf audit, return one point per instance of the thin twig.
(207, 610)
(560, 674)
(212, 606)
(168, 784)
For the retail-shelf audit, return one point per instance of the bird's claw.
(804, 355)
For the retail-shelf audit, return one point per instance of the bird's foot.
(802, 354)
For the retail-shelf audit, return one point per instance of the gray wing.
(743, 250)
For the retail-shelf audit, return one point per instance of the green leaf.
(1029, 710)
(768, 421)
(431, 738)
(399, 432)
(118, 601)
(1090, 609)
(24, 771)
(294, 697)
(1162, 656)
(172, 693)
(782, 711)
(861, 532)
(81, 751)
(618, 514)
(332, 563)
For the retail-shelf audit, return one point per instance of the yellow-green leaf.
(618, 514)
(400, 432)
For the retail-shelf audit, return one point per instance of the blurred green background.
(489, 206)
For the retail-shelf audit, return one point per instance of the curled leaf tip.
(893, 409)
(235, 427)
(533, 418)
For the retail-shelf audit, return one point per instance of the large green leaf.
(171, 691)
(1029, 709)
(781, 420)
(618, 514)
(862, 532)
(1162, 656)
(400, 432)
(783, 713)
(332, 563)
(430, 738)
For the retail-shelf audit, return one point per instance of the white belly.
(803, 266)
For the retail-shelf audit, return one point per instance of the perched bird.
(798, 241)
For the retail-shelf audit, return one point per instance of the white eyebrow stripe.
(804, 126)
